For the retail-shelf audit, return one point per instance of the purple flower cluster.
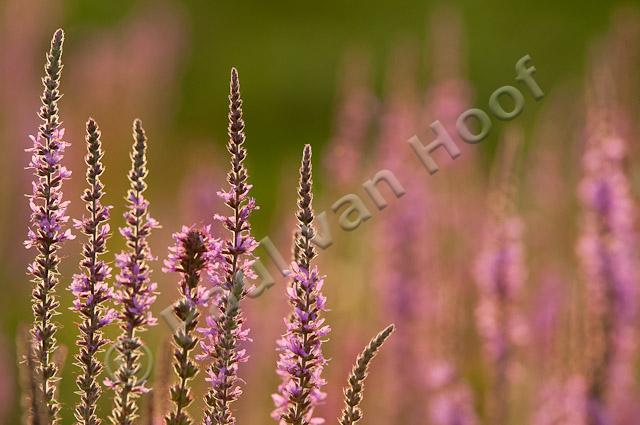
(90, 288)
(224, 332)
(344, 159)
(47, 230)
(301, 360)
(499, 272)
(135, 293)
(48, 210)
(608, 243)
(583, 360)
(194, 253)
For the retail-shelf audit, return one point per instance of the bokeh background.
(355, 80)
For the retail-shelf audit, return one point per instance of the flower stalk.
(90, 288)
(192, 255)
(47, 230)
(301, 360)
(224, 332)
(135, 292)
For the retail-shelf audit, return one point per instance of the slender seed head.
(353, 394)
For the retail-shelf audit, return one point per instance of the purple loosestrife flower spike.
(608, 250)
(500, 274)
(406, 286)
(135, 292)
(301, 361)
(48, 222)
(354, 392)
(194, 252)
(224, 332)
(90, 287)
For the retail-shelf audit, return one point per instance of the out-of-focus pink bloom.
(451, 400)
(545, 319)
(499, 272)
(402, 267)
(345, 157)
(196, 199)
(450, 94)
(607, 248)
(562, 403)
(500, 275)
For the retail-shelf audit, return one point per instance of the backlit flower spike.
(224, 334)
(135, 293)
(194, 253)
(301, 360)
(48, 226)
(353, 394)
(90, 287)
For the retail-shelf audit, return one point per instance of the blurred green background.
(168, 63)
